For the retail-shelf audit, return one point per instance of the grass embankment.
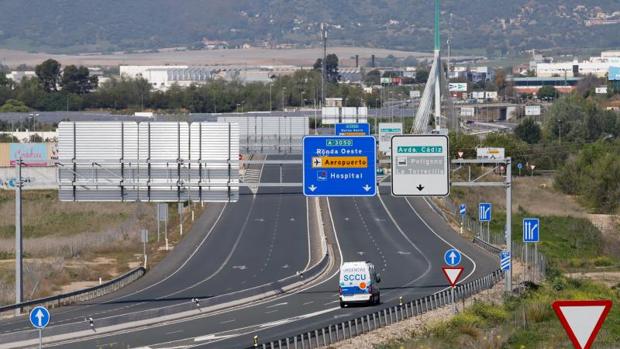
(71, 245)
(571, 244)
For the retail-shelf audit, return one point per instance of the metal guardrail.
(80, 295)
(487, 246)
(184, 309)
(387, 315)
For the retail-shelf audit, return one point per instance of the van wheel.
(378, 300)
(342, 304)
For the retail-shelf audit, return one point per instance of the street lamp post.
(283, 92)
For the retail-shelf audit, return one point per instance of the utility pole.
(19, 289)
(509, 222)
(324, 62)
(438, 66)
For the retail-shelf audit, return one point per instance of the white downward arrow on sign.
(367, 188)
(312, 188)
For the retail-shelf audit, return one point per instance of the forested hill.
(499, 25)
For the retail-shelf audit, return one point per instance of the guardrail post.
(374, 320)
(316, 338)
(417, 307)
(337, 336)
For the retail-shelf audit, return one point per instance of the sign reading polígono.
(420, 165)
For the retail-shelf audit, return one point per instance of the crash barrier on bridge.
(487, 246)
(186, 308)
(388, 315)
(79, 295)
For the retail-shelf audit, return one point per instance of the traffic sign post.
(582, 320)
(463, 212)
(339, 166)
(519, 167)
(361, 129)
(452, 257)
(504, 261)
(40, 318)
(485, 210)
(420, 165)
(453, 274)
(531, 234)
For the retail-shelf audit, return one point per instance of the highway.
(231, 247)
(405, 239)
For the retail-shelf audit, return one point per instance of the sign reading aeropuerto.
(148, 161)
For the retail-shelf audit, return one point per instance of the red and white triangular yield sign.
(582, 319)
(452, 274)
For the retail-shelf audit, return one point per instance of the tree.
(547, 92)
(331, 67)
(373, 78)
(48, 74)
(421, 76)
(14, 106)
(529, 131)
(587, 85)
(78, 80)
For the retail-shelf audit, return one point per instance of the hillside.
(497, 26)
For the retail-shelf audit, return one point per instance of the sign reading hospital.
(339, 166)
(31, 154)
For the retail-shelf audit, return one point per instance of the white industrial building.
(163, 77)
(597, 66)
(18, 76)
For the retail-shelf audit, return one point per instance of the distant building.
(614, 78)
(18, 76)
(164, 77)
(215, 44)
(597, 66)
(531, 85)
(350, 75)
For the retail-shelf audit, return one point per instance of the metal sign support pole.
(158, 219)
(19, 289)
(40, 339)
(527, 270)
(454, 302)
(509, 220)
(166, 230)
(535, 261)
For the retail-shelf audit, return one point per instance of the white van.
(359, 283)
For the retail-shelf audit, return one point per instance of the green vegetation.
(301, 89)
(14, 106)
(594, 175)
(520, 322)
(508, 27)
(529, 131)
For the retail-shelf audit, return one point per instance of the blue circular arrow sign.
(452, 257)
(39, 317)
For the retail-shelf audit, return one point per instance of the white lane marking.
(444, 240)
(308, 303)
(211, 337)
(173, 332)
(240, 267)
(332, 302)
(227, 321)
(400, 230)
(277, 305)
(404, 253)
(285, 266)
(271, 311)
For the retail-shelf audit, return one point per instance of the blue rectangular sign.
(531, 230)
(339, 166)
(484, 212)
(352, 129)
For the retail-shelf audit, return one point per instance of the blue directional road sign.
(452, 257)
(531, 230)
(463, 209)
(339, 166)
(39, 317)
(504, 260)
(520, 166)
(361, 129)
(484, 212)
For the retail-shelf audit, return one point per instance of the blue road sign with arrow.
(484, 212)
(452, 257)
(531, 230)
(504, 260)
(463, 209)
(39, 317)
(339, 166)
